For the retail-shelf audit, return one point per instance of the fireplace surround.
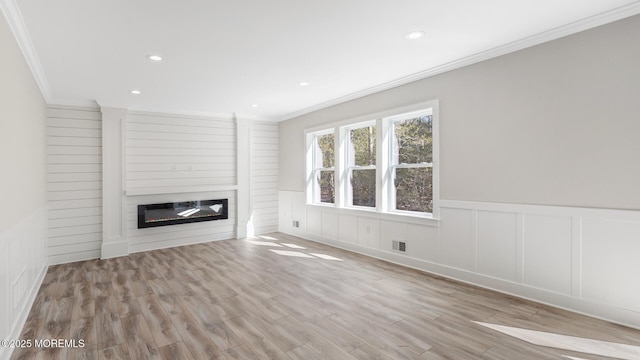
(153, 215)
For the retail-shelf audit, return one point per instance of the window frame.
(316, 192)
(385, 200)
(392, 166)
(349, 168)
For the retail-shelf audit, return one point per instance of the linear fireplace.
(152, 215)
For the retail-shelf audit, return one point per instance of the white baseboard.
(150, 246)
(114, 249)
(579, 259)
(561, 301)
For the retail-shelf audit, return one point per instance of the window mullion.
(411, 166)
(356, 167)
(341, 172)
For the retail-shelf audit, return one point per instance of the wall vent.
(399, 245)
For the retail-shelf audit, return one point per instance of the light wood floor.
(238, 299)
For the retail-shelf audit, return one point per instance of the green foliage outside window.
(363, 153)
(363, 141)
(326, 178)
(411, 161)
(413, 144)
(414, 189)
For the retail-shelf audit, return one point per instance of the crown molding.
(553, 34)
(166, 112)
(16, 23)
(14, 18)
(81, 103)
(195, 114)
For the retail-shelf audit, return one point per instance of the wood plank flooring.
(238, 299)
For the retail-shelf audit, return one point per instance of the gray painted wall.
(554, 124)
(22, 135)
(23, 216)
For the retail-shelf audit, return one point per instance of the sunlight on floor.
(326, 257)
(291, 253)
(293, 246)
(264, 243)
(571, 343)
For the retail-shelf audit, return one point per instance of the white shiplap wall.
(168, 158)
(180, 158)
(74, 183)
(264, 177)
(179, 152)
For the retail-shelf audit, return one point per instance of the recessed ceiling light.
(414, 35)
(254, 105)
(136, 92)
(154, 57)
(304, 83)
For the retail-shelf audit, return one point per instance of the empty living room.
(332, 180)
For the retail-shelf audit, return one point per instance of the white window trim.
(348, 195)
(312, 171)
(385, 208)
(388, 191)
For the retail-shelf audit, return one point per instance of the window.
(411, 162)
(324, 168)
(361, 166)
(387, 165)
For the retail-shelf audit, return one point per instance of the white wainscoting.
(74, 183)
(584, 260)
(23, 264)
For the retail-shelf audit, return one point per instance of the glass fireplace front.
(152, 215)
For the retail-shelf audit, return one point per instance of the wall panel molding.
(579, 259)
(23, 265)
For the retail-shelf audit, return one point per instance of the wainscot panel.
(580, 259)
(23, 265)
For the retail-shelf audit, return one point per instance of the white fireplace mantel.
(178, 190)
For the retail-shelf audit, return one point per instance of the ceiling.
(227, 56)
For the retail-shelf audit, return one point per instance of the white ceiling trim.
(562, 31)
(16, 23)
(195, 114)
(73, 102)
